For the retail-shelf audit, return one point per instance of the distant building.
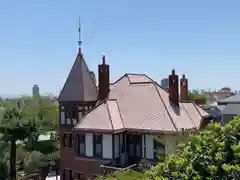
(164, 83)
(35, 90)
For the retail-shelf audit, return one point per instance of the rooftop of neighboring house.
(235, 99)
(230, 105)
(219, 95)
(134, 102)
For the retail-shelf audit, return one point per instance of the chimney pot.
(183, 76)
(103, 59)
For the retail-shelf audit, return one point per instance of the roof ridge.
(140, 74)
(161, 87)
(109, 114)
(194, 104)
(165, 107)
(188, 114)
(120, 114)
(82, 59)
(68, 76)
(118, 79)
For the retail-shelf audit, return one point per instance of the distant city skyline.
(199, 38)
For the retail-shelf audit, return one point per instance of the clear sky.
(38, 40)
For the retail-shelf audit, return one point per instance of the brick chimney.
(103, 80)
(173, 88)
(183, 88)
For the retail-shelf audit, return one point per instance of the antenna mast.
(79, 34)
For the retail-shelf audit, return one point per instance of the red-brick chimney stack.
(173, 88)
(183, 88)
(103, 79)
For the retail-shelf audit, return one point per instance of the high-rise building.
(164, 83)
(35, 90)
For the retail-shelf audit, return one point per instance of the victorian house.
(115, 124)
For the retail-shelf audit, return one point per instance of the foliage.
(23, 121)
(126, 175)
(4, 168)
(198, 98)
(211, 154)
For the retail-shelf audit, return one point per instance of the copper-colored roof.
(136, 102)
(80, 84)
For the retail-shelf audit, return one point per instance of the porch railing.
(111, 169)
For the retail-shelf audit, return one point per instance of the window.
(74, 114)
(62, 118)
(70, 140)
(67, 174)
(97, 146)
(79, 176)
(71, 113)
(67, 140)
(81, 145)
(159, 149)
(74, 121)
(69, 121)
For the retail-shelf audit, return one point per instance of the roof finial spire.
(79, 34)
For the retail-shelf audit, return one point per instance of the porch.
(133, 149)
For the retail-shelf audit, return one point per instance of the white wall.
(80, 115)
(149, 146)
(89, 144)
(107, 146)
(62, 117)
(116, 148)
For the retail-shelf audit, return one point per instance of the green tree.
(197, 97)
(24, 120)
(15, 127)
(4, 168)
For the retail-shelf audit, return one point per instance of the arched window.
(159, 149)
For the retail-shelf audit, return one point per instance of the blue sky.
(38, 40)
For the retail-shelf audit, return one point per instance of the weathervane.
(79, 33)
